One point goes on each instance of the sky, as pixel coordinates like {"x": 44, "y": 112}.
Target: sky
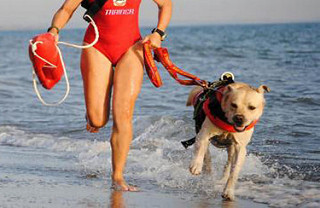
{"x": 37, "y": 14}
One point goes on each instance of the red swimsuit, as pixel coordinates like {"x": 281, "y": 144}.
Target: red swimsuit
{"x": 118, "y": 25}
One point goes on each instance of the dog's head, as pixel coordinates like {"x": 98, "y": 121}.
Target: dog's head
{"x": 243, "y": 104}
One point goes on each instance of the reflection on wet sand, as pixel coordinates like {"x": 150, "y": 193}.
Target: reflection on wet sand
{"x": 116, "y": 199}
{"x": 228, "y": 204}
{"x": 224, "y": 204}
{"x": 120, "y": 199}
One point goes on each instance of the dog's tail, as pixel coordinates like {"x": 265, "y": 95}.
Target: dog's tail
{"x": 193, "y": 93}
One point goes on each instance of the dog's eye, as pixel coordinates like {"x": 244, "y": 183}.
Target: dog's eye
{"x": 251, "y": 107}
{"x": 234, "y": 105}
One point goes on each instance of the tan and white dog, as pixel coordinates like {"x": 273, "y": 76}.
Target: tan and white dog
{"x": 241, "y": 105}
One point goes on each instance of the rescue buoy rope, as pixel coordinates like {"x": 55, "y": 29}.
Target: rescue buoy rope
{"x": 35, "y": 84}
{"x": 85, "y": 46}
{"x": 34, "y": 48}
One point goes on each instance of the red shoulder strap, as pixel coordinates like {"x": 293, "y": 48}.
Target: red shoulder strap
{"x": 216, "y": 120}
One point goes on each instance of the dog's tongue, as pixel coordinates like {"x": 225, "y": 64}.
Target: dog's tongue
{"x": 240, "y": 128}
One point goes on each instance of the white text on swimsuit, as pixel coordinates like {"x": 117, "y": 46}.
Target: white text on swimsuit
{"x": 120, "y": 12}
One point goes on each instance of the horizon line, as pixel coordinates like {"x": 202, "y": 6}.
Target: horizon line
{"x": 195, "y": 24}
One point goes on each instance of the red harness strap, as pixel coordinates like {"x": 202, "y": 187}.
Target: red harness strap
{"x": 162, "y": 56}
{"x": 224, "y": 125}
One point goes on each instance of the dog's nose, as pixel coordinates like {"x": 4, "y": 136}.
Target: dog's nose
{"x": 238, "y": 120}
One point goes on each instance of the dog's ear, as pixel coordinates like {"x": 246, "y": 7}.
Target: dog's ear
{"x": 262, "y": 89}
{"x": 229, "y": 88}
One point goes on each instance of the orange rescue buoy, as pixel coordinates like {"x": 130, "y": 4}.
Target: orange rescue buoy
{"x": 47, "y": 63}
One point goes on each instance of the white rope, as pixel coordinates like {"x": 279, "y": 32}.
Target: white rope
{"x": 34, "y": 48}
{"x": 35, "y": 85}
{"x": 85, "y": 46}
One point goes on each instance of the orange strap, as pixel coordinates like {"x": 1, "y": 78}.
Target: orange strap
{"x": 150, "y": 65}
{"x": 162, "y": 56}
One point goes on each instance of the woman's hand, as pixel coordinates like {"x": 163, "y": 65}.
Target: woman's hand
{"x": 154, "y": 38}
{"x": 55, "y": 35}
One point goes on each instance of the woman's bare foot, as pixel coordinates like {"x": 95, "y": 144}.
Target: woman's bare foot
{"x": 92, "y": 129}
{"x": 121, "y": 185}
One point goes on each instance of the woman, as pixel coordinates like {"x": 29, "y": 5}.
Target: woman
{"x": 119, "y": 47}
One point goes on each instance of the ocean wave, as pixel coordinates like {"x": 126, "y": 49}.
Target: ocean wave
{"x": 303, "y": 52}
{"x": 85, "y": 150}
{"x": 307, "y": 101}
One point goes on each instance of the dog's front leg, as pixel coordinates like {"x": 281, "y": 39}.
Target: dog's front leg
{"x": 230, "y": 161}
{"x": 207, "y": 166}
{"x": 237, "y": 162}
{"x": 201, "y": 147}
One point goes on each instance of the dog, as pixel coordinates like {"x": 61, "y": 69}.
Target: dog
{"x": 241, "y": 107}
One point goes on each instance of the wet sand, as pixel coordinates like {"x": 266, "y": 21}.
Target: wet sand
{"x": 40, "y": 178}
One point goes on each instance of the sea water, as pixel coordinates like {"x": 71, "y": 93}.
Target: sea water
{"x": 282, "y": 168}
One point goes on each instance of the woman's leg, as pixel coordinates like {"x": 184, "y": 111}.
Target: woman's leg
{"x": 127, "y": 83}
{"x": 97, "y": 75}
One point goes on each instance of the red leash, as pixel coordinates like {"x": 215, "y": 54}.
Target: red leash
{"x": 162, "y": 55}
{"x": 150, "y": 65}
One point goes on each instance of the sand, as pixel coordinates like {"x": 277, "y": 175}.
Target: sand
{"x": 39, "y": 178}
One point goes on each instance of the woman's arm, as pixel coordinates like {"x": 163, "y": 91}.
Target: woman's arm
{"x": 63, "y": 15}
{"x": 164, "y": 16}
{"x": 165, "y": 11}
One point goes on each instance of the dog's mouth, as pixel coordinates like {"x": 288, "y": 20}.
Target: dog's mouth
{"x": 239, "y": 128}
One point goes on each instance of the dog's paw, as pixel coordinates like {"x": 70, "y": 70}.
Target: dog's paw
{"x": 221, "y": 181}
{"x": 207, "y": 169}
{"x": 195, "y": 167}
{"x": 228, "y": 195}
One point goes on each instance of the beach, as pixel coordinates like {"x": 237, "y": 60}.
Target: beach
{"x": 48, "y": 159}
